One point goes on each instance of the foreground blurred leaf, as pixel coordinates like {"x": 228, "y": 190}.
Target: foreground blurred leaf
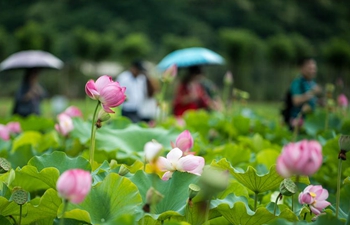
{"x": 108, "y": 201}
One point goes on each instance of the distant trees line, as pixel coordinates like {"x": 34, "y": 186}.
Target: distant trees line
{"x": 262, "y": 55}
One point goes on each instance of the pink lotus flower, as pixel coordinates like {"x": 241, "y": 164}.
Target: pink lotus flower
{"x": 74, "y": 185}
{"x": 315, "y": 197}
{"x": 184, "y": 142}
{"x": 14, "y": 127}
{"x": 73, "y": 111}
{"x": 152, "y": 150}
{"x": 105, "y": 90}
{"x": 301, "y": 158}
{"x": 343, "y": 101}
{"x": 65, "y": 124}
{"x": 174, "y": 161}
{"x": 4, "y": 133}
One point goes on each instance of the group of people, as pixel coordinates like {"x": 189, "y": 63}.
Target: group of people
{"x": 191, "y": 93}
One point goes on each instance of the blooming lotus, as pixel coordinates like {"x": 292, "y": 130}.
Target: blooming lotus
{"x": 184, "y": 142}
{"x": 4, "y": 133}
{"x": 176, "y": 161}
{"x": 73, "y": 185}
{"x": 314, "y": 196}
{"x": 73, "y": 111}
{"x": 107, "y": 91}
{"x": 14, "y": 127}
{"x": 65, "y": 124}
{"x": 343, "y": 101}
{"x": 300, "y": 158}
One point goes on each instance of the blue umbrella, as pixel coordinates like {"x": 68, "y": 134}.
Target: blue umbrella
{"x": 190, "y": 57}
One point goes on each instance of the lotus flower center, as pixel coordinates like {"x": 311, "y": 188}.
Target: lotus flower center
{"x": 312, "y": 194}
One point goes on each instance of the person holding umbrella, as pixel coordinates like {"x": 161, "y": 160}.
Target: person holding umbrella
{"x": 29, "y": 95}
{"x": 191, "y": 94}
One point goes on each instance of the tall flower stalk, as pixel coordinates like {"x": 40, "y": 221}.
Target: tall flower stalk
{"x": 93, "y": 134}
{"x": 109, "y": 94}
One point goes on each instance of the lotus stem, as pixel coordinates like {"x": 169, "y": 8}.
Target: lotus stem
{"x": 20, "y": 215}
{"x": 276, "y": 201}
{"x": 338, "y": 187}
{"x": 65, "y": 205}
{"x": 93, "y": 133}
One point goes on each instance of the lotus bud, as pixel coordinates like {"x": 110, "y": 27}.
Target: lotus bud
{"x": 19, "y": 196}
{"x": 193, "y": 189}
{"x": 123, "y": 170}
{"x": 153, "y": 196}
{"x": 344, "y": 145}
{"x": 102, "y": 117}
{"x": 288, "y": 187}
{"x": 170, "y": 74}
{"x": 4, "y": 165}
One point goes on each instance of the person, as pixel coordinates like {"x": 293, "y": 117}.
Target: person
{"x": 191, "y": 94}
{"x": 29, "y": 95}
{"x": 304, "y": 91}
{"x": 139, "y": 89}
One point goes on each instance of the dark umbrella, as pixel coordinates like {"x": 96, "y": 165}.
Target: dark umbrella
{"x": 31, "y": 59}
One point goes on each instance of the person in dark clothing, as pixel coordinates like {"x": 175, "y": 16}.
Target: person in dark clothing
{"x": 29, "y": 95}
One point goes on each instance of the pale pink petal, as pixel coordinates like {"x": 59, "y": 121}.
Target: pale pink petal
{"x": 4, "y": 133}
{"x": 102, "y": 82}
{"x": 184, "y": 141}
{"x": 164, "y": 164}
{"x": 112, "y": 95}
{"x": 282, "y": 168}
{"x": 73, "y": 111}
{"x": 107, "y": 109}
{"x": 305, "y": 198}
{"x": 14, "y": 127}
{"x": 321, "y": 204}
{"x": 167, "y": 175}
{"x": 191, "y": 164}
{"x": 90, "y": 89}
{"x": 174, "y": 155}
{"x": 314, "y": 210}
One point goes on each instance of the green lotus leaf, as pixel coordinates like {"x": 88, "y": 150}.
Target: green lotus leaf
{"x": 48, "y": 140}
{"x": 31, "y": 179}
{"x": 175, "y": 192}
{"x": 27, "y": 138}
{"x": 8, "y": 207}
{"x": 21, "y": 156}
{"x": 35, "y": 123}
{"x": 42, "y": 208}
{"x": 60, "y": 161}
{"x": 267, "y": 157}
{"x": 109, "y": 200}
{"x": 242, "y": 124}
{"x": 129, "y": 141}
{"x": 4, "y": 221}
{"x": 234, "y": 153}
{"x": 236, "y": 211}
{"x": 255, "y": 182}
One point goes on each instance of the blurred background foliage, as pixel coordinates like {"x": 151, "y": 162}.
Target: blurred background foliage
{"x": 260, "y": 40}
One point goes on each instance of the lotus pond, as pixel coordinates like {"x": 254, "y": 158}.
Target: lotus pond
{"x": 239, "y": 183}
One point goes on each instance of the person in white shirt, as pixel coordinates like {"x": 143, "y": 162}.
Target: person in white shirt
{"x": 138, "y": 89}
